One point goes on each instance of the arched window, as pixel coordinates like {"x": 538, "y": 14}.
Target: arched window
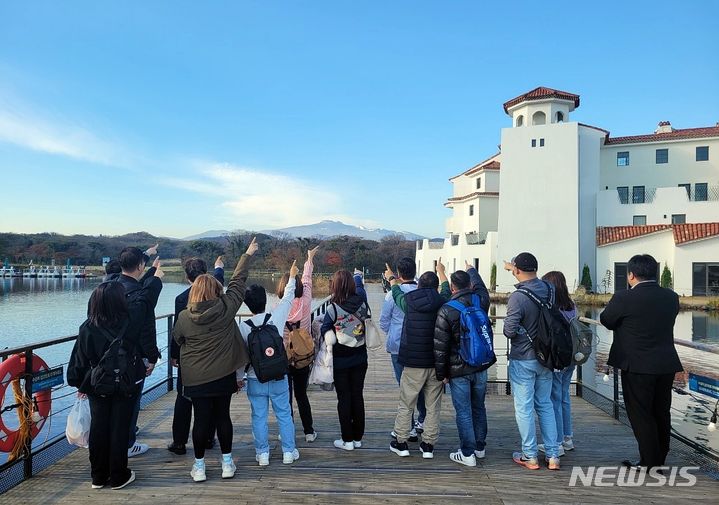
{"x": 539, "y": 118}
{"x": 520, "y": 120}
{"x": 560, "y": 117}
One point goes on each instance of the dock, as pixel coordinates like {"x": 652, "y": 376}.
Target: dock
{"x": 371, "y": 474}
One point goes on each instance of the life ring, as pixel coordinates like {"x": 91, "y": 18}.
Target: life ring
{"x": 11, "y": 369}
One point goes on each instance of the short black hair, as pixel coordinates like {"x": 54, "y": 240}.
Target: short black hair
{"x": 644, "y": 267}
{"x": 194, "y": 267}
{"x": 131, "y": 258}
{"x": 407, "y": 268}
{"x": 428, "y": 280}
{"x": 460, "y": 279}
{"x": 113, "y": 267}
{"x": 256, "y": 299}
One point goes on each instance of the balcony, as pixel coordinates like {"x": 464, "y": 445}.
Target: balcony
{"x": 640, "y": 194}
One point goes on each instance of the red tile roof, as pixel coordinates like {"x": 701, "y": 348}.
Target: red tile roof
{"x": 470, "y": 196}
{"x": 683, "y": 233}
{"x": 492, "y": 165}
{"x": 686, "y": 133}
{"x": 479, "y": 166}
{"x": 540, "y": 94}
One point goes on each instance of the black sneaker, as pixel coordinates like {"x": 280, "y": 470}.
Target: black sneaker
{"x": 399, "y": 449}
{"x": 210, "y": 444}
{"x": 176, "y": 448}
{"x": 427, "y": 450}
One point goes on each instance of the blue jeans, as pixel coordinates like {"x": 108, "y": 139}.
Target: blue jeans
{"x": 421, "y": 409}
{"x": 561, "y": 402}
{"x": 532, "y": 391}
{"x": 135, "y": 415}
{"x": 260, "y": 396}
{"x": 471, "y": 415}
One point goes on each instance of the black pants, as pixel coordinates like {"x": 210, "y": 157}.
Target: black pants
{"x": 298, "y": 380}
{"x": 182, "y": 416}
{"x": 109, "y": 435}
{"x": 648, "y": 399}
{"x": 214, "y": 410}
{"x": 349, "y": 384}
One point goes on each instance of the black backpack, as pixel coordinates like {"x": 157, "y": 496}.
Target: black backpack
{"x": 553, "y": 342}
{"x": 118, "y": 371}
{"x": 267, "y": 351}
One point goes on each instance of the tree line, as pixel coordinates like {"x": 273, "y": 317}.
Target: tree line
{"x": 276, "y": 252}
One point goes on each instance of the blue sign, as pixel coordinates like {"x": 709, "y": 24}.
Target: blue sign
{"x": 47, "y": 379}
{"x": 704, "y": 385}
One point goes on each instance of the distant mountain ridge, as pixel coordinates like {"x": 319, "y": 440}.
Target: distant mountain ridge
{"x": 323, "y": 229}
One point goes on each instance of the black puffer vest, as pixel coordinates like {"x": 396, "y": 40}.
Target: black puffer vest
{"x": 416, "y": 348}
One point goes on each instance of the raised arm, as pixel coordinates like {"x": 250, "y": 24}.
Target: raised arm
{"x": 306, "y": 317}
{"x": 235, "y": 294}
{"x": 359, "y": 285}
{"x": 280, "y": 313}
{"x": 444, "y": 291}
{"x": 478, "y": 287}
{"x": 219, "y": 272}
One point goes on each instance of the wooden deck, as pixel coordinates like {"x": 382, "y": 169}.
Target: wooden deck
{"x": 324, "y": 474}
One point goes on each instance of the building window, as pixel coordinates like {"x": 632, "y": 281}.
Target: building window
{"x": 476, "y": 264}
{"x": 534, "y": 142}
{"x": 541, "y": 142}
{"x": 638, "y": 194}
{"x": 623, "y": 159}
{"x": 539, "y": 118}
{"x": 662, "y": 156}
{"x": 703, "y": 153}
{"x": 560, "y": 117}
{"x": 705, "y": 279}
{"x": 701, "y": 192}
{"x": 479, "y": 183}
{"x": 621, "y": 281}
{"x": 520, "y": 120}
{"x": 639, "y": 220}
{"x": 471, "y": 210}
{"x": 679, "y": 218}
{"x": 688, "y": 187}
{"x": 623, "y": 192}
{"x": 455, "y": 239}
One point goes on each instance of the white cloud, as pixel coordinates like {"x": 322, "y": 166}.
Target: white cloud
{"x": 262, "y": 199}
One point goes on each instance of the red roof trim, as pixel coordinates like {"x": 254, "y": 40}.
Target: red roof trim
{"x": 474, "y": 167}
{"x": 686, "y": 133}
{"x": 542, "y": 93}
{"x": 682, "y": 233}
{"x": 457, "y": 199}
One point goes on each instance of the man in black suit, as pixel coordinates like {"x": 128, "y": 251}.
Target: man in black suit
{"x": 642, "y": 319}
{"x": 194, "y": 267}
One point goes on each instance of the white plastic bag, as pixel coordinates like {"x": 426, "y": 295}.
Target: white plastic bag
{"x": 322, "y": 370}
{"x": 373, "y": 335}
{"x": 78, "y": 423}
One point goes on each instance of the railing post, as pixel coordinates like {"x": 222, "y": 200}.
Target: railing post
{"x": 170, "y": 382}
{"x": 579, "y": 391}
{"x": 508, "y": 384}
{"x": 616, "y": 393}
{"x": 27, "y": 449}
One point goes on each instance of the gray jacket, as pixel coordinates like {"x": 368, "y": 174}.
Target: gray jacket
{"x": 522, "y": 318}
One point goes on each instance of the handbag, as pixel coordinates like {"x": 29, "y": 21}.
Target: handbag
{"x": 322, "y": 371}
{"x": 373, "y": 335}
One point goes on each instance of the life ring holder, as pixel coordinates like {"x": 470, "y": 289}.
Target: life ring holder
{"x": 11, "y": 370}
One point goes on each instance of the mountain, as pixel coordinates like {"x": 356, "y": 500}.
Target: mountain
{"x": 326, "y": 229}
{"x": 208, "y": 234}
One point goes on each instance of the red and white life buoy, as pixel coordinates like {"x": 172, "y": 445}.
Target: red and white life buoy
{"x": 11, "y": 369}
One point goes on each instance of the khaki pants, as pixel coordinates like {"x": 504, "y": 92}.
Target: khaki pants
{"x": 413, "y": 381}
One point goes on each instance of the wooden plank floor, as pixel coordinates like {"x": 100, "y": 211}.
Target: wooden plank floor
{"x": 324, "y": 474}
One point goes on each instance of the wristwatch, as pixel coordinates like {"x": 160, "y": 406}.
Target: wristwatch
{"x": 391, "y": 278}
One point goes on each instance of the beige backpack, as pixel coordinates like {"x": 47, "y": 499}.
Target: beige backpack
{"x": 300, "y": 346}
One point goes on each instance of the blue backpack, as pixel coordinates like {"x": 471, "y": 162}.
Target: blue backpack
{"x": 476, "y": 347}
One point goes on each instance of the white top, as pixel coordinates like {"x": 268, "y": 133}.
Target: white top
{"x": 278, "y": 317}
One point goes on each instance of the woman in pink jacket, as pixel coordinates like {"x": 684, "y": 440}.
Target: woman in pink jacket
{"x": 300, "y": 319}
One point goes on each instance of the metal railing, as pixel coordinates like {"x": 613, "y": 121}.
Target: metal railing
{"x": 24, "y": 467}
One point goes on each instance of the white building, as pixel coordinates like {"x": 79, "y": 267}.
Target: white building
{"x": 576, "y": 196}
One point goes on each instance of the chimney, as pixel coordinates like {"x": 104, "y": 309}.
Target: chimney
{"x": 664, "y": 127}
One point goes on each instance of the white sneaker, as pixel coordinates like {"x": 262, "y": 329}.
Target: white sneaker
{"x": 127, "y": 482}
{"x": 228, "y": 469}
{"x": 357, "y": 444}
{"x": 541, "y": 448}
{"x": 479, "y": 454}
{"x": 198, "y": 473}
{"x": 568, "y": 444}
{"x": 458, "y": 457}
{"x": 311, "y": 437}
{"x": 418, "y": 427}
{"x": 263, "y": 459}
{"x": 347, "y": 446}
{"x": 137, "y": 449}
{"x": 290, "y": 457}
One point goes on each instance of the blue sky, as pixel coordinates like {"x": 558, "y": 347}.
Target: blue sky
{"x": 179, "y": 117}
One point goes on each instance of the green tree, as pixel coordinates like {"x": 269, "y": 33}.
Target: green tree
{"x": 587, "y": 278}
{"x": 666, "y": 280}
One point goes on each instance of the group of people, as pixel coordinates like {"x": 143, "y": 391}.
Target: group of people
{"x": 425, "y": 323}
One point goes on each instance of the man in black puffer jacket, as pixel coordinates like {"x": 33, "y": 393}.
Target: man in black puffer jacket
{"x": 468, "y": 384}
{"x": 416, "y": 355}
